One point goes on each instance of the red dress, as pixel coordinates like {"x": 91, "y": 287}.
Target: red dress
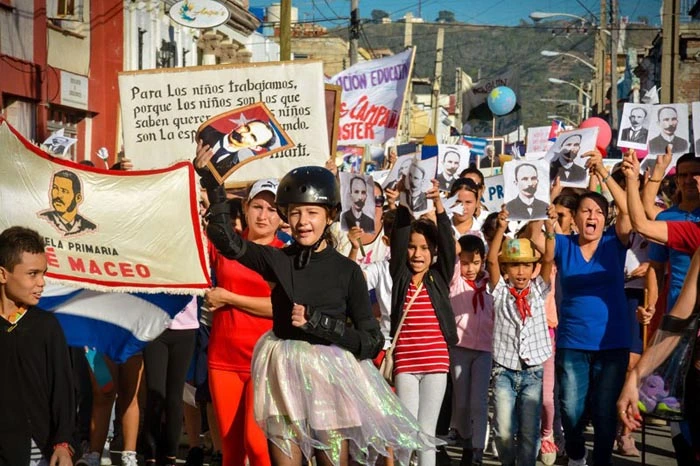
{"x": 234, "y": 332}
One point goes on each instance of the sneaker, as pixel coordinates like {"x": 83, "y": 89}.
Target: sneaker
{"x": 548, "y": 451}
{"x": 129, "y": 458}
{"x": 89, "y": 459}
{"x": 195, "y": 457}
{"x": 626, "y": 446}
{"x": 581, "y": 462}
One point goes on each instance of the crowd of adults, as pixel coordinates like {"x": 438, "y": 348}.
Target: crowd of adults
{"x": 542, "y": 320}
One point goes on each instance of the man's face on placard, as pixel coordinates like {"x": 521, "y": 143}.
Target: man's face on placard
{"x": 415, "y": 180}
{"x": 526, "y": 180}
{"x": 358, "y": 193}
{"x": 570, "y": 147}
{"x": 668, "y": 121}
{"x": 637, "y": 116}
{"x": 451, "y": 163}
{"x": 403, "y": 169}
{"x": 252, "y": 135}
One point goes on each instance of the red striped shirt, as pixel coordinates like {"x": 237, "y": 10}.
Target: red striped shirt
{"x": 421, "y": 347}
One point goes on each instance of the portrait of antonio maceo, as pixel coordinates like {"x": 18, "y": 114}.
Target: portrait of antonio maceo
{"x": 65, "y": 197}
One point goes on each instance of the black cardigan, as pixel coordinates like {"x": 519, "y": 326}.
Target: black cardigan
{"x": 437, "y": 278}
{"x": 36, "y": 387}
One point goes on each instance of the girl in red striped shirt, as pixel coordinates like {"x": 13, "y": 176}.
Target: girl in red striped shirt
{"x": 422, "y": 263}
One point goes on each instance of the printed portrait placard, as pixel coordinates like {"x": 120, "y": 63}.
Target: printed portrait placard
{"x": 357, "y": 201}
{"x": 242, "y": 136}
{"x": 565, "y": 156}
{"x": 526, "y": 189}
{"x": 669, "y": 126}
{"x": 634, "y": 126}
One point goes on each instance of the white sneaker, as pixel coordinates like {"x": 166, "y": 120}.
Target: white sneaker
{"x": 89, "y": 459}
{"x": 581, "y": 462}
{"x": 129, "y": 458}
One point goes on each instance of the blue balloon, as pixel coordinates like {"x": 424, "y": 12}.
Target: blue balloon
{"x": 501, "y": 100}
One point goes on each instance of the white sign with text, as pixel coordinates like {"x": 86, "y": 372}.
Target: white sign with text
{"x": 162, "y": 109}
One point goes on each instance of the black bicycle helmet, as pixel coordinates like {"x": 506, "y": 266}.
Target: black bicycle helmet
{"x": 307, "y": 185}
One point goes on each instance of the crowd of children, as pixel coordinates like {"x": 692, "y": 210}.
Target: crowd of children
{"x": 536, "y": 319}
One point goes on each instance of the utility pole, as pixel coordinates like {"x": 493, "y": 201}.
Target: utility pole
{"x": 354, "y": 29}
{"x": 405, "y": 131}
{"x": 408, "y": 33}
{"x": 600, "y": 59}
{"x": 579, "y": 101}
{"x": 589, "y": 89}
{"x": 437, "y": 79}
{"x": 286, "y": 30}
{"x": 615, "y": 29}
{"x": 669, "y": 49}
{"x": 458, "y": 96}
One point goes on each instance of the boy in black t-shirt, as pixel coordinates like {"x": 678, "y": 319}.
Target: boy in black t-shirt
{"x": 36, "y": 392}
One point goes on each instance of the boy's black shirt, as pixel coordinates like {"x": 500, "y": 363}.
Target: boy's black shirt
{"x": 36, "y": 387}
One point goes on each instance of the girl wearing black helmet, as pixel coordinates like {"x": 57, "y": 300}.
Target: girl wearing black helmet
{"x": 316, "y": 389}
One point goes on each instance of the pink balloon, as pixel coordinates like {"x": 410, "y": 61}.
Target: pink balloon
{"x": 604, "y": 131}
{"x": 641, "y": 153}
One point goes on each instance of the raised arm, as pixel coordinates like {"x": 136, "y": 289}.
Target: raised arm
{"x": 651, "y": 187}
{"x": 446, "y": 239}
{"x": 400, "y": 235}
{"x": 492, "y": 265}
{"x": 550, "y": 244}
{"x": 219, "y": 229}
{"x": 653, "y": 230}
{"x": 623, "y": 225}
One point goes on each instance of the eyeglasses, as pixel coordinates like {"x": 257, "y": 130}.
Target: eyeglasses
{"x": 379, "y": 201}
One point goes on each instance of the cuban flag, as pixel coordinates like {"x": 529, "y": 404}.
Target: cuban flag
{"x": 556, "y": 128}
{"x": 116, "y": 324}
{"x": 477, "y": 146}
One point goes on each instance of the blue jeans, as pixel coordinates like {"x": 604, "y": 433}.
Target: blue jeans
{"x": 518, "y": 401}
{"x": 589, "y": 385}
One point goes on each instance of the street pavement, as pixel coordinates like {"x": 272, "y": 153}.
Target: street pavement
{"x": 659, "y": 450}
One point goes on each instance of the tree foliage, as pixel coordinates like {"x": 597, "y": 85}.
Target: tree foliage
{"x": 378, "y": 15}
{"x": 446, "y": 16}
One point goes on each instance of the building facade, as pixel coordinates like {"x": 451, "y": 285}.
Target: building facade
{"x": 60, "y": 61}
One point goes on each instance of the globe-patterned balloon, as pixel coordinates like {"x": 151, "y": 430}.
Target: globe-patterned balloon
{"x": 501, "y": 100}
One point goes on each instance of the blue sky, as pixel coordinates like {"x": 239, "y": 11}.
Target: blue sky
{"x": 500, "y": 12}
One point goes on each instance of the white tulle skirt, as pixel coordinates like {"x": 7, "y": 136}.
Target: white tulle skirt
{"x": 317, "y": 396}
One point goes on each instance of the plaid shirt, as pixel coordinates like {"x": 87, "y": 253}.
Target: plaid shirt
{"x": 518, "y": 344}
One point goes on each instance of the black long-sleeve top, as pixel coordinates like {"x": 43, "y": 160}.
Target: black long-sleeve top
{"x": 36, "y": 387}
{"x": 436, "y": 280}
{"x": 330, "y": 283}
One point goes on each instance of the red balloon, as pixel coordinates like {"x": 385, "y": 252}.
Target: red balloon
{"x": 602, "y": 151}
{"x": 604, "y": 131}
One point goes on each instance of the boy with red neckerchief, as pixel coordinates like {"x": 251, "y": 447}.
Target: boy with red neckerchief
{"x": 521, "y": 342}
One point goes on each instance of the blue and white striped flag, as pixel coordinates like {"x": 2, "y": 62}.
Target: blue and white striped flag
{"x": 116, "y": 324}
{"x": 477, "y": 146}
